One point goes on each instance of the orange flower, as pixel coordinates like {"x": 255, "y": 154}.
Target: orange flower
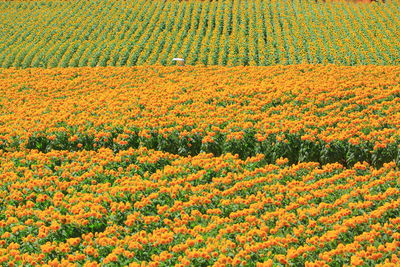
{"x": 356, "y": 261}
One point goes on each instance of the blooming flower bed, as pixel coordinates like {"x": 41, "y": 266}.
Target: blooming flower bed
{"x": 198, "y": 166}
{"x": 316, "y": 113}
{"x": 141, "y": 206}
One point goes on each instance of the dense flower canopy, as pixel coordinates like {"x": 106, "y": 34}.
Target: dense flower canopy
{"x": 303, "y": 112}
{"x": 148, "y": 207}
{"x": 274, "y": 140}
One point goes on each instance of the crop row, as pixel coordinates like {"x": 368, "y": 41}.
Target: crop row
{"x": 149, "y": 207}
{"x": 226, "y": 32}
{"x": 303, "y": 113}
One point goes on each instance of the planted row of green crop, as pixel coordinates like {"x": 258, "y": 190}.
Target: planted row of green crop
{"x": 291, "y": 147}
{"x": 228, "y": 32}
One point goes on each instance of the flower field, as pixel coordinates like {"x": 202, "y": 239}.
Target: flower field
{"x": 225, "y": 32}
{"x": 277, "y": 143}
{"x": 155, "y": 208}
{"x": 197, "y": 166}
{"x": 314, "y": 113}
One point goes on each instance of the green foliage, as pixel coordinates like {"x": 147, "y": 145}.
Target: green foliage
{"x": 226, "y": 32}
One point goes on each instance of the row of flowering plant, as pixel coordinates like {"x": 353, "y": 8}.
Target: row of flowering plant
{"x": 225, "y": 32}
{"x": 146, "y": 207}
{"x": 304, "y": 113}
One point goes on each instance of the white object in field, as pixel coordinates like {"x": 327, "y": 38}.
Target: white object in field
{"x": 180, "y": 61}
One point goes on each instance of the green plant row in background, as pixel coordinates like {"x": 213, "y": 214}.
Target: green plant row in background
{"x": 226, "y": 32}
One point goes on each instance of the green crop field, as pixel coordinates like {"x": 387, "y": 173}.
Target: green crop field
{"x": 128, "y": 33}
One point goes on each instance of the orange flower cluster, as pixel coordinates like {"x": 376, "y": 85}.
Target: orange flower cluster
{"x": 303, "y": 112}
{"x": 142, "y": 207}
